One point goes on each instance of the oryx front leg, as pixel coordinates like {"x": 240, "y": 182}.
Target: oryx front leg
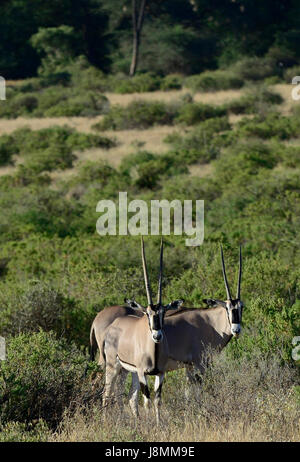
{"x": 145, "y": 391}
{"x": 134, "y": 394}
{"x": 157, "y": 398}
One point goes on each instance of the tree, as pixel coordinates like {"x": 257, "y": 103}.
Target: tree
{"x": 137, "y": 24}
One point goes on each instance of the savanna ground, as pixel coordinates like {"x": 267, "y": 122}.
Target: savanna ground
{"x": 239, "y": 150}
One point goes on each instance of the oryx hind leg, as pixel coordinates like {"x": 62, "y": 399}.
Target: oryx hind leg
{"x": 112, "y": 371}
{"x": 134, "y": 394}
{"x": 119, "y": 386}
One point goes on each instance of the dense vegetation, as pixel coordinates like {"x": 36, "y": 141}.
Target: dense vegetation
{"x": 240, "y": 154}
{"x": 178, "y": 35}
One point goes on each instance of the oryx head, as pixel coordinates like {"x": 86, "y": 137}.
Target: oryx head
{"x": 154, "y": 312}
{"x": 233, "y": 306}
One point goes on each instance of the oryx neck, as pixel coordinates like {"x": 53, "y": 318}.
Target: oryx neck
{"x": 218, "y": 319}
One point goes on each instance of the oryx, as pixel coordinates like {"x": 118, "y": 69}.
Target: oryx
{"x": 138, "y": 345}
{"x": 201, "y": 330}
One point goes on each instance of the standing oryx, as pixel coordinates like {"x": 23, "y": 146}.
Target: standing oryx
{"x": 200, "y": 330}
{"x": 138, "y": 344}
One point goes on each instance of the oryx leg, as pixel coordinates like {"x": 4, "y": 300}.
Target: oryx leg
{"x": 119, "y": 386}
{"x": 134, "y": 394}
{"x": 145, "y": 391}
{"x": 157, "y": 398}
{"x": 194, "y": 374}
{"x": 111, "y": 373}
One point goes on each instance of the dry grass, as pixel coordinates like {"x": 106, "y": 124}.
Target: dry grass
{"x": 238, "y": 401}
{"x": 82, "y": 124}
{"x": 216, "y": 98}
{"x": 150, "y": 139}
{"x": 201, "y": 170}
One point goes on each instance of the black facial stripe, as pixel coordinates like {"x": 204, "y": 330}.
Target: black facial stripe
{"x": 235, "y": 316}
{"x": 156, "y": 322}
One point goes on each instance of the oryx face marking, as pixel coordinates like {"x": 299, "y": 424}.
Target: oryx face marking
{"x": 155, "y": 316}
{"x": 234, "y": 311}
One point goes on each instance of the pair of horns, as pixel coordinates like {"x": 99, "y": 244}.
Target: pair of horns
{"x": 238, "y": 292}
{"x": 146, "y": 277}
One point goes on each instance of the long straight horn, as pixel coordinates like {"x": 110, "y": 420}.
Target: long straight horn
{"x": 159, "y": 292}
{"x": 238, "y": 292}
{"x": 146, "y": 277}
{"x": 224, "y": 275}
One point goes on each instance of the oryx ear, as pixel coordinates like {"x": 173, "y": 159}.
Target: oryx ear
{"x": 209, "y": 301}
{"x": 134, "y": 305}
{"x": 174, "y": 305}
{"x": 213, "y": 303}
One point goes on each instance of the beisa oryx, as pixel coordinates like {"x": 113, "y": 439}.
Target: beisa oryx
{"x": 193, "y": 332}
{"x": 139, "y": 345}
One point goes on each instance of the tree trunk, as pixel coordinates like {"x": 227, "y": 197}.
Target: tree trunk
{"x": 137, "y": 20}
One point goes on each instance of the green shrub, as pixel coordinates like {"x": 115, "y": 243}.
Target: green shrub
{"x": 14, "y": 432}
{"x": 24, "y": 176}
{"x": 201, "y": 144}
{"x": 87, "y": 104}
{"x": 244, "y": 159}
{"x": 254, "y": 68}
{"x": 49, "y": 148}
{"x": 146, "y": 169}
{"x": 51, "y": 158}
{"x": 139, "y": 83}
{"x": 171, "y": 82}
{"x": 138, "y": 114}
{"x": 273, "y": 125}
{"x": 213, "y": 81}
{"x": 7, "y": 149}
{"x": 255, "y": 100}
{"x": 40, "y": 378}
{"x": 53, "y": 96}
{"x": 193, "y": 113}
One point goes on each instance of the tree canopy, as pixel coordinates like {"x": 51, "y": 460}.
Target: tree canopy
{"x": 185, "y": 36}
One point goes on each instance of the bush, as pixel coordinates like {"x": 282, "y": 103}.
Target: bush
{"x": 7, "y": 149}
{"x": 273, "y": 125}
{"x": 193, "y": 113}
{"x": 49, "y": 148}
{"x": 139, "y": 83}
{"x": 14, "y": 432}
{"x": 244, "y": 159}
{"x": 146, "y": 169}
{"x": 40, "y": 378}
{"x": 201, "y": 144}
{"x": 138, "y": 114}
{"x": 213, "y": 81}
{"x": 254, "y": 68}
{"x": 256, "y": 100}
{"x": 85, "y": 105}
{"x": 172, "y": 82}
